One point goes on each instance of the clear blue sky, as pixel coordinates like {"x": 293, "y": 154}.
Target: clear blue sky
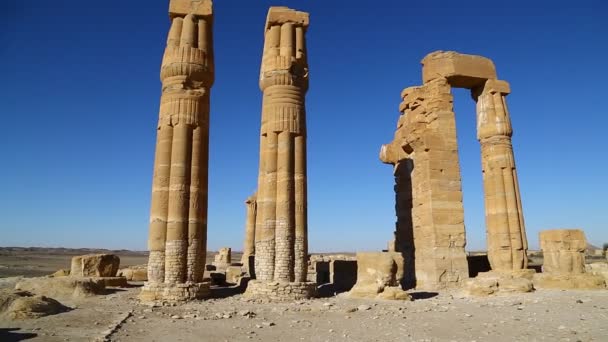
{"x": 80, "y": 94}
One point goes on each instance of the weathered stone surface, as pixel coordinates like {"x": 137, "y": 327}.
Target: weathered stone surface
{"x": 95, "y": 265}
{"x": 223, "y": 258}
{"x": 114, "y": 281}
{"x": 62, "y": 286}
{"x": 461, "y": 70}
{"x": 377, "y": 271}
{"x": 598, "y": 269}
{"x": 279, "y": 291}
{"x": 249, "y": 245}
{"x": 564, "y": 261}
{"x": 203, "y": 8}
{"x": 61, "y": 273}
{"x": 178, "y": 215}
{"x": 580, "y": 281}
{"x": 430, "y": 217}
{"x": 134, "y": 273}
{"x": 494, "y": 282}
{"x": 281, "y": 243}
{"x": 152, "y": 292}
{"x": 25, "y": 305}
{"x": 233, "y": 274}
{"x": 563, "y": 251}
{"x": 424, "y": 154}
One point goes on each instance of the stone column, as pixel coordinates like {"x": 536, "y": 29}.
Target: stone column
{"x": 280, "y": 231}
{"x": 249, "y": 246}
{"x": 507, "y": 242}
{"x": 178, "y": 218}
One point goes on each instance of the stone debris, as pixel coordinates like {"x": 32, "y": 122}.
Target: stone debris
{"x": 379, "y": 275}
{"x": 134, "y": 273}
{"x": 95, "y": 265}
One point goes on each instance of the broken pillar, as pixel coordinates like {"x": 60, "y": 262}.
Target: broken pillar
{"x": 564, "y": 261}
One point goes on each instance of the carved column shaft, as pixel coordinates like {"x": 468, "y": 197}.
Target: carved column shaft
{"x": 249, "y": 246}
{"x": 178, "y": 218}
{"x": 507, "y": 242}
{"x": 280, "y": 238}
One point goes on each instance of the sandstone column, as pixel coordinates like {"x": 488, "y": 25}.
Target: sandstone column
{"x": 178, "y": 218}
{"x": 249, "y": 246}
{"x": 507, "y": 242}
{"x": 280, "y": 229}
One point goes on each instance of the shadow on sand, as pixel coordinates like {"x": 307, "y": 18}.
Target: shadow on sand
{"x": 11, "y": 334}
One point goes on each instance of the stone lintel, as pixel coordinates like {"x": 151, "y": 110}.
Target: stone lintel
{"x": 203, "y": 8}
{"x": 279, "y": 15}
{"x": 497, "y": 86}
{"x": 461, "y": 70}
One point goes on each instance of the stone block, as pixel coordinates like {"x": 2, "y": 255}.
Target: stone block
{"x": 234, "y": 274}
{"x": 563, "y": 251}
{"x": 197, "y": 7}
{"x": 461, "y": 70}
{"x": 377, "y": 271}
{"x": 569, "y": 281}
{"x": 95, "y": 265}
{"x": 134, "y": 273}
{"x": 279, "y": 15}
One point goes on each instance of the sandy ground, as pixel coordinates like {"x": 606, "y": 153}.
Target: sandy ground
{"x": 539, "y": 316}
{"x": 36, "y": 262}
{"x": 118, "y": 316}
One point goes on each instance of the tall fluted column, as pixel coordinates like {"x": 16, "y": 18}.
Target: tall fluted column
{"x": 249, "y": 245}
{"x": 178, "y": 218}
{"x": 280, "y": 232}
{"x": 507, "y": 242}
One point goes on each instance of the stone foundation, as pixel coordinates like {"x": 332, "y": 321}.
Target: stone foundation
{"x": 174, "y": 292}
{"x": 278, "y": 291}
{"x": 113, "y": 281}
{"x": 583, "y": 281}
{"x": 499, "y": 282}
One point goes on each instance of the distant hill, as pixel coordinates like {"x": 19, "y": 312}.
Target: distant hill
{"x": 67, "y": 251}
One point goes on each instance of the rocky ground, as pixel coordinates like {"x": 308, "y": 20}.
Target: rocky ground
{"x": 118, "y": 316}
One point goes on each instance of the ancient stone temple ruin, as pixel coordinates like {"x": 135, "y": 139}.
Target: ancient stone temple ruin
{"x": 424, "y": 153}
{"x": 281, "y": 221}
{"x": 564, "y": 261}
{"x": 178, "y": 218}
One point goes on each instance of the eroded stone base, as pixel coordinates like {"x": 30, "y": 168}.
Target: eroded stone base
{"x": 494, "y": 282}
{"x": 582, "y": 281}
{"x": 114, "y": 281}
{"x": 375, "y": 292}
{"x": 278, "y": 291}
{"x": 152, "y": 292}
